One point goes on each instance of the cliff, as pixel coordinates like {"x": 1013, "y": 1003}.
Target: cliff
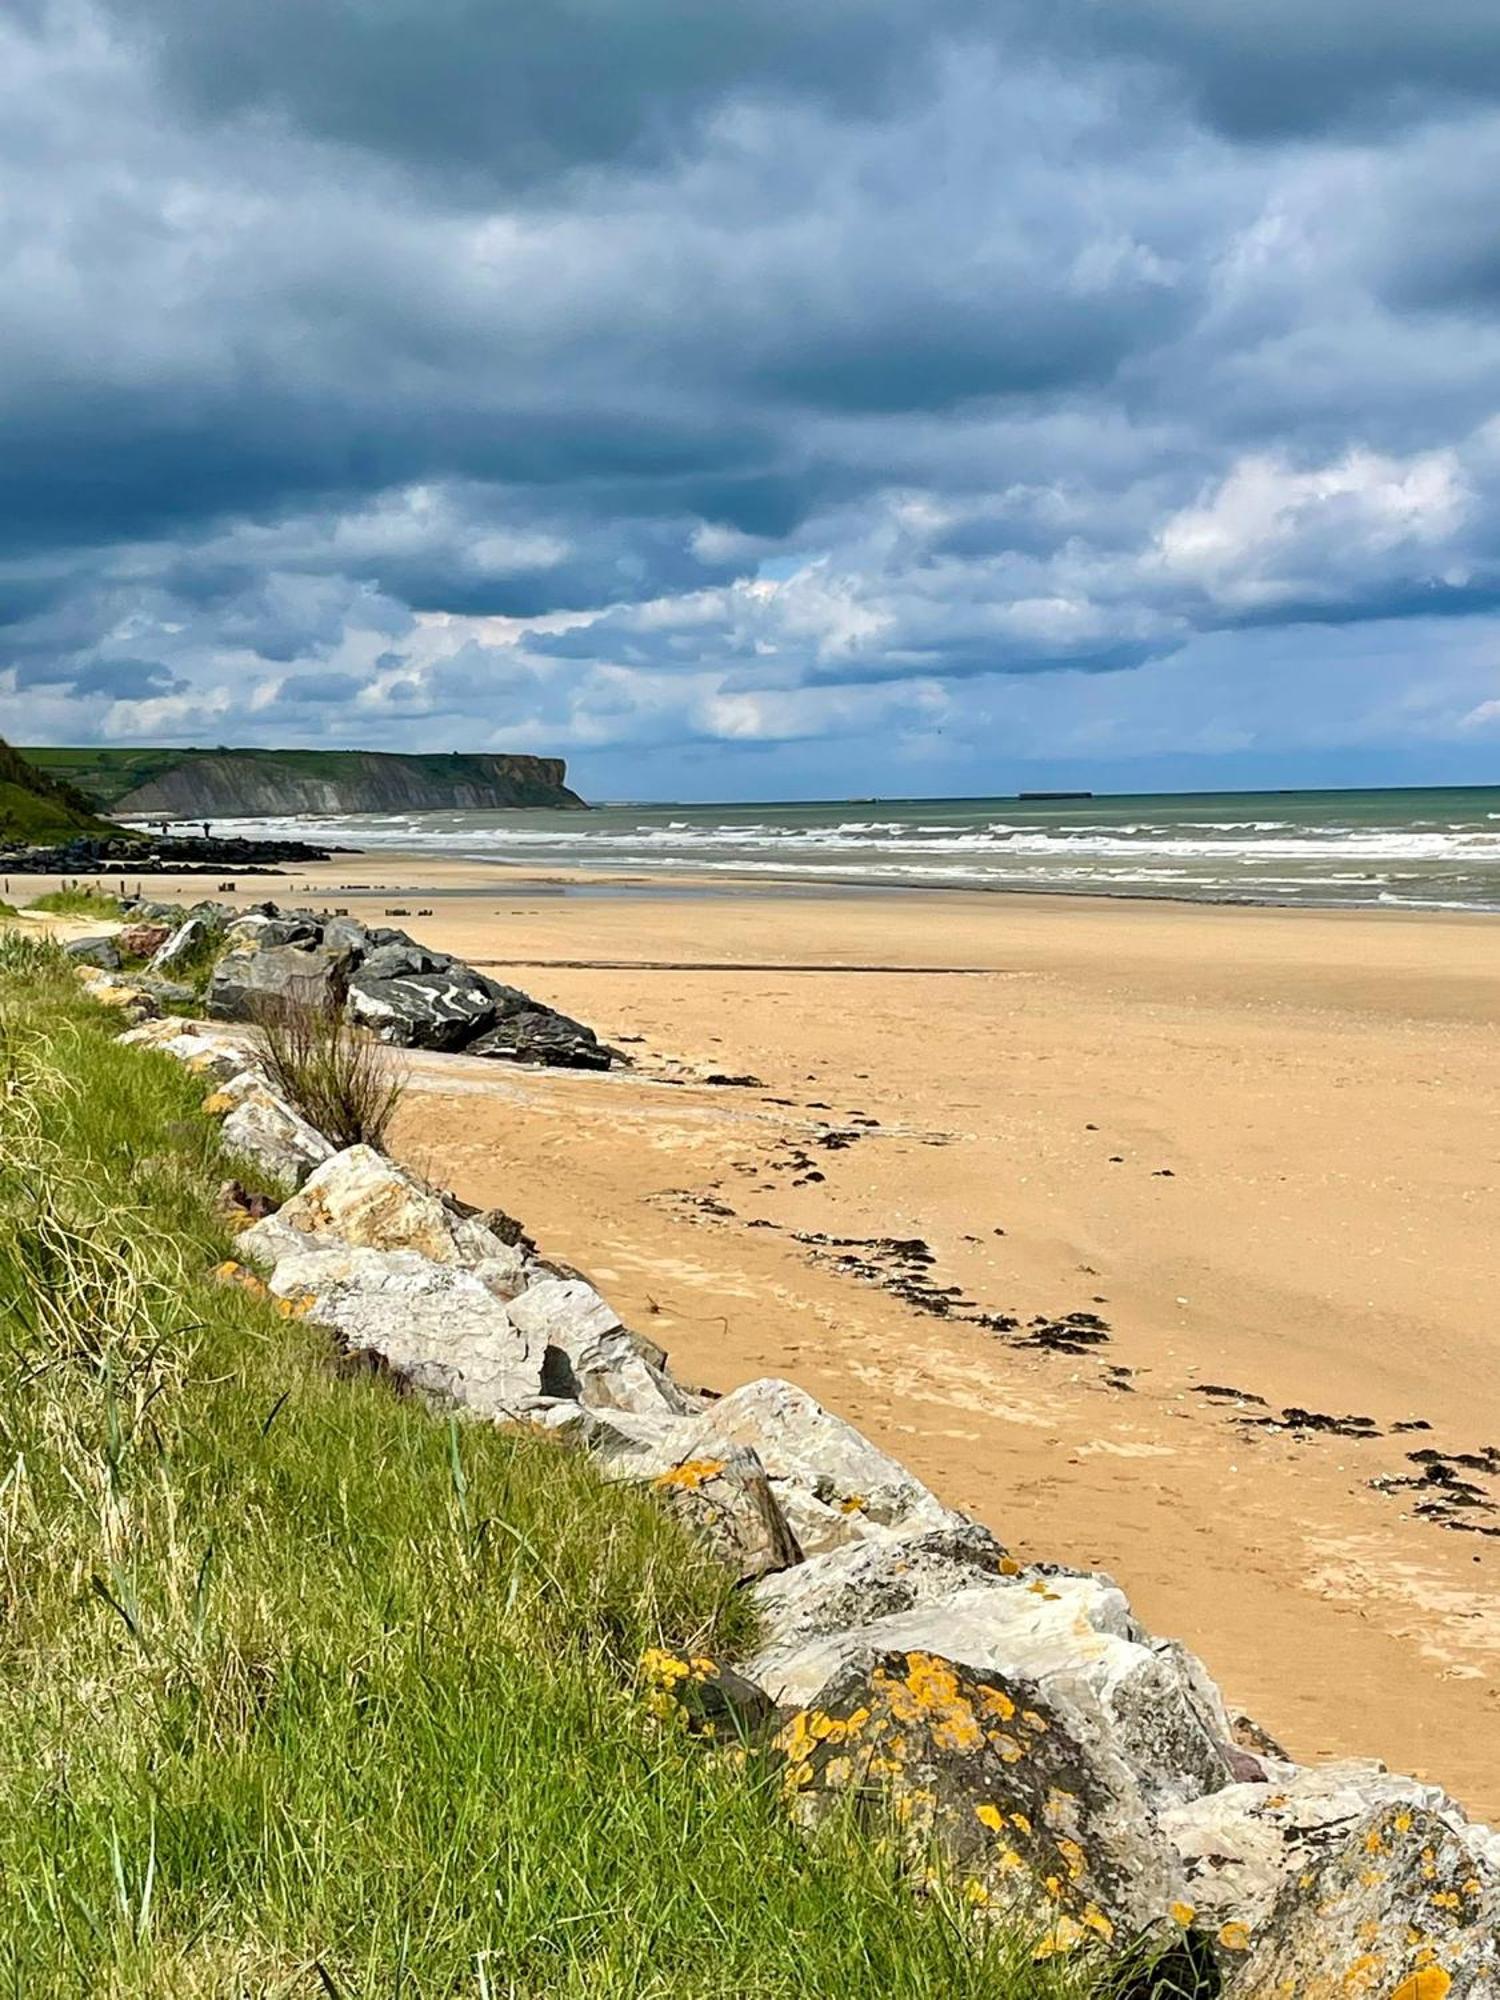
{"x": 234, "y": 784}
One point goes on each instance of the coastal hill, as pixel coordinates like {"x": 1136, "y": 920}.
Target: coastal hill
{"x": 38, "y": 806}
{"x": 231, "y": 784}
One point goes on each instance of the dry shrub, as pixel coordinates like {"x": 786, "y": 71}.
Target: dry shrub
{"x": 340, "y": 1078}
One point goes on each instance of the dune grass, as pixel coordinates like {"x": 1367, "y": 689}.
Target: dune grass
{"x": 306, "y": 1692}
{"x": 77, "y": 900}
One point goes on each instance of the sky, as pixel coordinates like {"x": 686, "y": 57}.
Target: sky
{"x": 793, "y": 399}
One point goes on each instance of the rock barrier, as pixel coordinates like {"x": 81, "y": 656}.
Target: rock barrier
{"x": 1076, "y": 1773}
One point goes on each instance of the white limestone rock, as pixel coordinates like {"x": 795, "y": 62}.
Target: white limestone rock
{"x": 591, "y": 1356}
{"x": 263, "y": 1128}
{"x": 362, "y": 1199}
{"x": 833, "y": 1485}
{"x": 437, "y": 1326}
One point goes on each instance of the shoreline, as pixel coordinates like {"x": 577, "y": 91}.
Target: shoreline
{"x": 1256, "y": 1143}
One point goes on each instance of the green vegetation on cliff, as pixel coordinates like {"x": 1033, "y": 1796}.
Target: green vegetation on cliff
{"x": 224, "y": 783}
{"x": 305, "y": 1692}
{"x": 38, "y": 806}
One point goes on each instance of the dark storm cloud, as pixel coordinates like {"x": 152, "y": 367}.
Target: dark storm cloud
{"x": 613, "y": 375}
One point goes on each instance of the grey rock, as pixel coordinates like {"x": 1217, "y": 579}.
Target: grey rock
{"x": 436, "y": 1326}
{"x": 1406, "y": 1907}
{"x": 167, "y": 992}
{"x": 590, "y": 1355}
{"x": 1029, "y": 1800}
{"x": 728, "y": 1501}
{"x": 250, "y": 979}
{"x": 263, "y": 1128}
{"x": 260, "y": 932}
{"x": 864, "y": 1581}
{"x": 439, "y": 1009}
{"x": 1240, "y": 1845}
{"x": 834, "y": 1486}
{"x": 346, "y": 934}
{"x": 100, "y": 951}
{"x": 400, "y": 956}
{"x": 1073, "y": 1636}
{"x": 535, "y": 1034}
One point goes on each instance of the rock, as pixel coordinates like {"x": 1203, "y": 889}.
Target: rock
{"x": 436, "y": 1326}
{"x": 1031, "y": 1804}
{"x": 259, "y": 932}
{"x": 189, "y": 937}
{"x": 729, "y": 1502}
{"x": 363, "y": 1200}
{"x": 1072, "y": 1636}
{"x": 143, "y": 940}
{"x": 251, "y": 978}
{"x": 1405, "y": 1907}
{"x": 590, "y": 1355}
{"x": 865, "y": 1581}
{"x": 98, "y": 951}
{"x": 398, "y": 957}
{"x": 114, "y": 990}
{"x": 442, "y": 1008}
{"x": 1242, "y": 1845}
{"x": 167, "y": 992}
{"x": 535, "y": 1034}
{"x": 263, "y": 1128}
{"x": 344, "y": 934}
{"x": 703, "y": 1695}
{"x": 195, "y": 1046}
{"x": 833, "y": 1485}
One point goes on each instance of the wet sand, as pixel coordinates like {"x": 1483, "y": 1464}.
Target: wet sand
{"x": 1260, "y": 1147}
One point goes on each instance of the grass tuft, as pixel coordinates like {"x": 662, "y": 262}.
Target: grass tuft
{"x": 343, "y": 1081}
{"x": 75, "y": 900}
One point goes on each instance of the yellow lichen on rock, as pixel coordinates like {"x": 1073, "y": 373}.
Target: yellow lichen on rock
{"x": 1431, "y": 1983}
{"x": 692, "y": 1474}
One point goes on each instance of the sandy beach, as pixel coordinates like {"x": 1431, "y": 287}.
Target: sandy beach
{"x": 1259, "y": 1149}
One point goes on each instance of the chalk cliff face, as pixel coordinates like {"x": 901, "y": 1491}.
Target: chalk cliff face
{"x": 234, "y": 784}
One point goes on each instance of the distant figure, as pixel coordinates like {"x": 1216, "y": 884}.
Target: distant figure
{"x": 205, "y": 829}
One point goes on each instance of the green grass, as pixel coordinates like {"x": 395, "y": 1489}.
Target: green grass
{"x": 77, "y": 901}
{"x": 304, "y": 1691}
{"x": 39, "y": 806}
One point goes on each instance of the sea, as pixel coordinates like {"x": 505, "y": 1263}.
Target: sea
{"x": 1399, "y": 849}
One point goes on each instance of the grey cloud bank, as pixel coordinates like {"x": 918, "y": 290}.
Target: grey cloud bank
{"x": 891, "y": 398}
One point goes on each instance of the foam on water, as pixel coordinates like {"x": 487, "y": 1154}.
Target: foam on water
{"x": 1407, "y": 849}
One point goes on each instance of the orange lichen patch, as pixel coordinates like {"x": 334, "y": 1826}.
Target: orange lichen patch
{"x": 1072, "y": 1856}
{"x": 1065, "y": 1935}
{"x": 855, "y": 1504}
{"x": 975, "y": 1892}
{"x": 231, "y": 1273}
{"x": 1375, "y": 1840}
{"x": 928, "y": 1693}
{"x": 690, "y": 1475}
{"x": 1432, "y": 1983}
{"x": 994, "y": 1701}
{"x": 1020, "y": 1822}
{"x": 1235, "y": 1937}
{"x": 217, "y": 1103}
{"x": 990, "y": 1816}
{"x": 1039, "y": 1589}
{"x": 295, "y": 1308}
{"x": 1183, "y": 1914}
{"x": 1096, "y": 1921}
{"x": 1402, "y": 1822}
{"x": 1034, "y": 1722}
{"x": 1447, "y": 1899}
{"x": 1009, "y": 1566}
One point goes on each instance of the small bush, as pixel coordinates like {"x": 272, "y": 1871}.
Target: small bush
{"x": 341, "y": 1080}
{"x": 77, "y": 901}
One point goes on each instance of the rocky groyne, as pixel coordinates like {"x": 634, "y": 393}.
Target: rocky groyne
{"x": 1012, "y": 1721}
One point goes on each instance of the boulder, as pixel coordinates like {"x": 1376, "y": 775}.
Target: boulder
{"x": 167, "y": 992}
{"x": 533, "y": 1034}
{"x": 728, "y": 1502}
{"x": 1072, "y": 1636}
{"x": 193, "y": 1045}
{"x": 143, "y": 940}
{"x": 591, "y": 1357}
{"x": 259, "y": 932}
{"x": 833, "y": 1485}
{"x": 865, "y": 1581}
{"x": 97, "y": 951}
{"x": 703, "y": 1695}
{"x": 363, "y": 1200}
{"x": 190, "y": 936}
{"x": 1406, "y": 1907}
{"x": 345, "y": 934}
{"x": 1030, "y": 1804}
{"x": 262, "y": 1127}
{"x": 436, "y": 1326}
{"x": 252, "y": 978}
{"x": 398, "y": 957}
{"x": 112, "y": 989}
{"x": 440, "y": 1008}
{"x": 1240, "y": 1846}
